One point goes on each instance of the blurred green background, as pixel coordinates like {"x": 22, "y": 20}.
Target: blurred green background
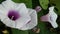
{"x": 45, "y": 27}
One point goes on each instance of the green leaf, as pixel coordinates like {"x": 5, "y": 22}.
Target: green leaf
{"x": 15, "y": 31}
{"x": 44, "y": 3}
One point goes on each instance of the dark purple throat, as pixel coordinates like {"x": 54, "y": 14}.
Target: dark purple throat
{"x": 13, "y": 15}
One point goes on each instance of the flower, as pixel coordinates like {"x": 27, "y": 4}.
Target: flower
{"x": 38, "y": 8}
{"x": 17, "y": 15}
{"x": 51, "y": 17}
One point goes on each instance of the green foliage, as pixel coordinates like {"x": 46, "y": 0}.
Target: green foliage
{"x": 15, "y": 31}
{"x": 44, "y": 3}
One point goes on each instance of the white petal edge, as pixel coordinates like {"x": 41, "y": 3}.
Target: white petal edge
{"x": 8, "y": 5}
{"x": 54, "y": 24}
{"x": 7, "y": 21}
{"x": 22, "y": 9}
{"x": 33, "y": 22}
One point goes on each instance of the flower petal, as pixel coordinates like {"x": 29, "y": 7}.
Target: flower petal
{"x": 22, "y": 21}
{"x": 2, "y": 10}
{"x": 8, "y": 4}
{"x": 8, "y": 22}
{"x": 22, "y": 9}
{"x": 54, "y": 24}
{"x": 45, "y": 18}
{"x": 33, "y": 21}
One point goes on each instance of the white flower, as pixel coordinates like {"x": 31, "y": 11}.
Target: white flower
{"x": 17, "y": 16}
{"x": 50, "y": 17}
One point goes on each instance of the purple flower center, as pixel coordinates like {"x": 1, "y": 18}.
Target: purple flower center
{"x": 13, "y": 15}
